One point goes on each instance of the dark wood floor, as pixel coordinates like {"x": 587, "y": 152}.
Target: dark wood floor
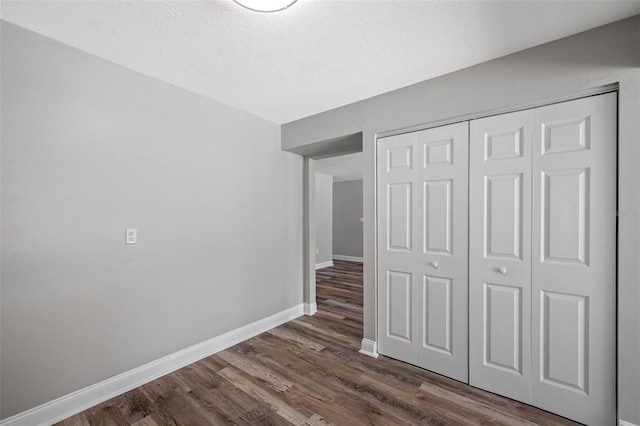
{"x": 309, "y": 371}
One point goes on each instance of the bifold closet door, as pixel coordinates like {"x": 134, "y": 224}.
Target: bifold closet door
{"x": 574, "y": 259}
{"x": 500, "y": 254}
{"x": 543, "y": 256}
{"x": 423, "y": 249}
{"x": 397, "y": 246}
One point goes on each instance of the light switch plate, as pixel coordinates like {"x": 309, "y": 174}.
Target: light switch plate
{"x": 131, "y": 236}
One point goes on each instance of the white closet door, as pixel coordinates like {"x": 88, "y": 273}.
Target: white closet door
{"x": 443, "y": 259}
{"x": 574, "y": 259}
{"x": 398, "y": 246}
{"x": 422, "y": 248}
{"x": 500, "y": 254}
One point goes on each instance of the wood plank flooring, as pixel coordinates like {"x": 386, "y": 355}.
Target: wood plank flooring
{"x": 309, "y": 372}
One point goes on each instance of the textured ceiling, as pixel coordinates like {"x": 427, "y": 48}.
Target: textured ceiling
{"x": 316, "y": 55}
{"x": 342, "y": 168}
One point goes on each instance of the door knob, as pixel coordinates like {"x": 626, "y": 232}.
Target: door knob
{"x": 435, "y": 265}
{"x": 503, "y": 271}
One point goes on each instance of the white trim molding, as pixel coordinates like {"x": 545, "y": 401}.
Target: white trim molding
{"x": 369, "y": 348}
{"x": 326, "y": 264}
{"x": 625, "y": 423}
{"x": 310, "y": 308}
{"x": 73, "y": 403}
{"x": 347, "y": 258}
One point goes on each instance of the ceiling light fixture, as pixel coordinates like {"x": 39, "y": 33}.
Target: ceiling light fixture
{"x": 265, "y": 5}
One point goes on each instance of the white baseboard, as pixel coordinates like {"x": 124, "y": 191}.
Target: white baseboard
{"x": 326, "y": 264}
{"x": 625, "y": 423}
{"x": 369, "y": 348}
{"x": 348, "y": 258}
{"x": 73, "y": 403}
{"x": 310, "y": 308}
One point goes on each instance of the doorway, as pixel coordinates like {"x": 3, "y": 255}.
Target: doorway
{"x": 312, "y": 153}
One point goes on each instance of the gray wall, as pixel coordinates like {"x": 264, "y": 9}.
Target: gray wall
{"x": 347, "y": 211}
{"x": 90, "y": 148}
{"x": 324, "y": 218}
{"x": 559, "y": 70}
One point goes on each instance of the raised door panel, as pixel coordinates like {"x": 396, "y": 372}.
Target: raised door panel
{"x": 503, "y": 144}
{"x": 502, "y": 328}
{"x": 563, "y": 341}
{"x": 564, "y": 217}
{"x": 438, "y": 216}
{"x": 438, "y": 152}
{"x": 564, "y": 135}
{"x": 398, "y": 199}
{"x": 500, "y": 254}
{"x": 399, "y": 159}
{"x": 437, "y": 311}
{"x": 503, "y": 216}
{"x": 574, "y": 281}
{"x": 398, "y": 307}
{"x": 399, "y": 220}
{"x": 443, "y": 259}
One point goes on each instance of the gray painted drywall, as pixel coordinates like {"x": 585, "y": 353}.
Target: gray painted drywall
{"x": 347, "y": 211}
{"x": 559, "y": 70}
{"x": 324, "y": 218}
{"x": 337, "y": 146}
{"x": 90, "y": 148}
